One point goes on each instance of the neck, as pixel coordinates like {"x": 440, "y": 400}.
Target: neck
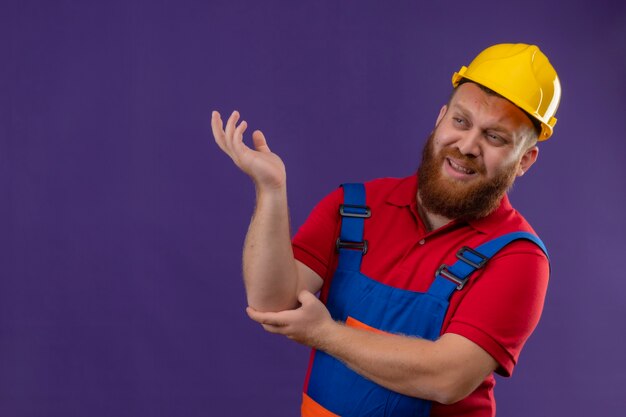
{"x": 431, "y": 221}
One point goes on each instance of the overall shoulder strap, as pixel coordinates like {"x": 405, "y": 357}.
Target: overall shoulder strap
{"x": 353, "y": 212}
{"x": 451, "y": 278}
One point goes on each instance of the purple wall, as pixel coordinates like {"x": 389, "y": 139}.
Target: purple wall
{"x": 121, "y": 223}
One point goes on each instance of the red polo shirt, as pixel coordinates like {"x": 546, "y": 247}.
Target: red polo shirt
{"x": 497, "y": 309}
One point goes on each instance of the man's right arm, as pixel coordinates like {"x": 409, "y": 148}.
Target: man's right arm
{"x": 273, "y": 278}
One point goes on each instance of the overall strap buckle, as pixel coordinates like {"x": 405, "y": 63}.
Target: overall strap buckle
{"x": 355, "y": 210}
{"x": 479, "y": 261}
{"x": 445, "y": 272}
{"x": 350, "y": 244}
{"x": 469, "y": 260}
{"x": 362, "y": 246}
{"x": 473, "y": 259}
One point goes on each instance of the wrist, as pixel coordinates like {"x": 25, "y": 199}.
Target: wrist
{"x": 329, "y": 334}
{"x": 275, "y": 192}
{"x": 270, "y": 183}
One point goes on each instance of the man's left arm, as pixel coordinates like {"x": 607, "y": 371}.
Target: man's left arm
{"x": 445, "y": 370}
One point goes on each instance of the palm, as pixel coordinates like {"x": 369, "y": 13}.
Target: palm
{"x": 262, "y": 165}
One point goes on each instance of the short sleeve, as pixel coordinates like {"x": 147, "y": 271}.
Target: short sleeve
{"x": 314, "y": 243}
{"x": 503, "y": 306}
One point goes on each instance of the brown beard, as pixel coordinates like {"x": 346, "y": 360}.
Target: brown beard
{"x": 456, "y": 199}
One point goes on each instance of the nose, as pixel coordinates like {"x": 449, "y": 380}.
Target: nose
{"x": 469, "y": 144}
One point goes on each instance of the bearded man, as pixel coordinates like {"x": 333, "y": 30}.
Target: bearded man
{"x": 428, "y": 284}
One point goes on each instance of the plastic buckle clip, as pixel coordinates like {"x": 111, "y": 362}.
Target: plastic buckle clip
{"x": 363, "y": 215}
{"x": 352, "y": 245}
{"x": 444, "y": 272}
{"x": 461, "y": 255}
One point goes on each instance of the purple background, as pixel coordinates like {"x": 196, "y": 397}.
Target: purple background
{"x": 121, "y": 222}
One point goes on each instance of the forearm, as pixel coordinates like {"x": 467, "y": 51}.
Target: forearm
{"x": 269, "y": 268}
{"x": 408, "y": 365}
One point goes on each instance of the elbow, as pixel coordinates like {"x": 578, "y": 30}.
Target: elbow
{"x": 271, "y": 304}
{"x": 451, "y": 389}
{"x": 450, "y": 397}
{"x": 440, "y": 389}
{"x": 263, "y": 299}
{"x": 444, "y": 386}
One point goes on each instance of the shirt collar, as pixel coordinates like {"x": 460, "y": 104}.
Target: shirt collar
{"x": 405, "y": 195}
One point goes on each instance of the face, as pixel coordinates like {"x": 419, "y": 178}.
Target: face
{"x": 478, "y": 147}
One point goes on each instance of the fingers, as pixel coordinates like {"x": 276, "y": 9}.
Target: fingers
{"x": 230, "y": 124}
{"x": 257, "y": 316}
{"x": 277, "y": 319}
{"x": 261, "y": 317}
{"x": 267, "y": 321}
{"x": 237, "y": 142}
{"x": 306, "y": 297}
{"x": 259, "y": 141}
{"x": 274, "y": 329}
{"x": 218, "y": 131}
{"x": 308, "y": 300}
{"x": 231, "y": 139}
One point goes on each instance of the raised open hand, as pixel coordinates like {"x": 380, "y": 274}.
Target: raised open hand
{"x": 265, "y": 168}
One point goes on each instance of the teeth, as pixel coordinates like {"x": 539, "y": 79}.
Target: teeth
{"x": 460, "y": 168}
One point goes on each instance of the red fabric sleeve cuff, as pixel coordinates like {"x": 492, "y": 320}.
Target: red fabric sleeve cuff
{"x": 505, "y": 362}
{"x": 310, "y": 260}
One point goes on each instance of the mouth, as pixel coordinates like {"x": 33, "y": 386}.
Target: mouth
{"x": 457, "y": 170}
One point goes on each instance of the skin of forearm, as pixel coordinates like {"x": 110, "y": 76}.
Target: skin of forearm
{"x": 407, "y": 365}
{"x": 269, "y": 268}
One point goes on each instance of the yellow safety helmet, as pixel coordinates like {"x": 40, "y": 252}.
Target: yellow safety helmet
{"x": 523, "y": 75}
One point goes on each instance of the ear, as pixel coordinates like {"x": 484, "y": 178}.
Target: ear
{"x": 528, "y": 159}
{"x": 442, "y": 112}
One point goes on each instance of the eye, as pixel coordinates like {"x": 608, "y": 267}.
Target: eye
{"x": 459, "y": 121}
{"x": 495, "y": 139}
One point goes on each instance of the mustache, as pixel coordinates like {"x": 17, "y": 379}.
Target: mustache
{"x": 470, "y": 163}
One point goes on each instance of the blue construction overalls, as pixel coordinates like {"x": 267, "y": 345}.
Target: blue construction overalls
{"x": 335, "y": 390}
